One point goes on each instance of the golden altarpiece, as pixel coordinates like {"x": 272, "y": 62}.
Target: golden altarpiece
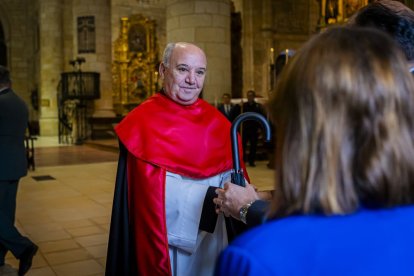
{"x": 134, "y": 68}
{"x": 339, "y": 11}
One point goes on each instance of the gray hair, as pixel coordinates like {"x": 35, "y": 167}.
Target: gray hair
{"x": 167, "y": 53}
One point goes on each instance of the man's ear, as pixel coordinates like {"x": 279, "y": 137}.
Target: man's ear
{"x": 161, "y": 70}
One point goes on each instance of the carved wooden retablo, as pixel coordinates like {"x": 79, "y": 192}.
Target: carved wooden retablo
{"x": 134, "y": 68}
{"x": 339, "y": 11}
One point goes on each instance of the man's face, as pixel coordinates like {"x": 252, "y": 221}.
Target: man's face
{"x": 226, "y": 99}
{"x": 250, "y": 97}
{"x": 184, "y": 77}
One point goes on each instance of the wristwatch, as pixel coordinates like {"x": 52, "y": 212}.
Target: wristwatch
{"x": 243, "y": 212}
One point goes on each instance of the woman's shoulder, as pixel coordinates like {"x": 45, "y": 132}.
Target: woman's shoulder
{"x": 278, "y": 246}
{"x": 304, "y": 227}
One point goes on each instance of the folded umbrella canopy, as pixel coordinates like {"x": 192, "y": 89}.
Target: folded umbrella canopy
{"x": 237, "y": 174}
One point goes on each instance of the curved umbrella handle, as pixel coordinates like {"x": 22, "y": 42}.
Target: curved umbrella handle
{"x": 237, "y": 176}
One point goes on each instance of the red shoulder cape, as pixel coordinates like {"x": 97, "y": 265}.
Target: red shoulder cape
{"x": 161, "y": 135}
{"x": 190, "y": 140}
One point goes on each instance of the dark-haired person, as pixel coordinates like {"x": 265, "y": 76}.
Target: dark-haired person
{"x": 13, "y": 165}
{"x": 250, "y": 135}
{"x": 391, "y": 17}
{"x": 344, "y": 203}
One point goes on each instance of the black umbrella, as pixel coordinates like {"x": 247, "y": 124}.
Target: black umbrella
{"x": 237, "y": 176}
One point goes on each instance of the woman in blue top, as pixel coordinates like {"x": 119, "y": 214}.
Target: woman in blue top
{"x": 344, "y": 205}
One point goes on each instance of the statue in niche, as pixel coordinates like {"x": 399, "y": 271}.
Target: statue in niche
{"x": 138, "y": 79}
{"x": 351, "y": 6}
{"x": 331, "y": 11}
{"x": 338, "y": 11}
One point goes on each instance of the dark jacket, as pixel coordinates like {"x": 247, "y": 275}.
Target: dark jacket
{"x": 252, "y": 126}
{"x": 13, "y": 124}
{"x": 232, "y": 114}
{"x": 257, "y": 212}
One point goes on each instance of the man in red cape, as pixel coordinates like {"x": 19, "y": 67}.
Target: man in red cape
{"x": 175, "y": 149}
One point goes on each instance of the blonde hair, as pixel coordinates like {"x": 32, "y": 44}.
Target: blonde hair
{"x": 345, "y": 105}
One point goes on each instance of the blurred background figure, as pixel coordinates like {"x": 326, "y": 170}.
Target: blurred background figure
{"x": 250, "y": 131}
{"x": 230, "y": 110}
{"x": 345, "y": 193}
{"x": 13, "y": 165}
{"x": 391, "y": 17}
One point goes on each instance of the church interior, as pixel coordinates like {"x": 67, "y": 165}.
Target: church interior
{"x": 81, "y": 66}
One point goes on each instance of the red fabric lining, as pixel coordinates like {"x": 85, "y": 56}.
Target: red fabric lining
{"x": 148, "y": 221}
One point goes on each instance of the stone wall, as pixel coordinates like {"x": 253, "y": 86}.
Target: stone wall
{"x": 207, "y": 24}
{"x": 17, "y": 20}
{"x": 100, "y": 61}
{"x": 276, "y": 24}
{"x": 51, "y": 62}
{"x": 154, "y": 10}
{"x": 59, "y": 45}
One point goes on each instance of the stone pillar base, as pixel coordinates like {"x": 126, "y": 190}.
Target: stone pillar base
{"x": 104, "y": 112}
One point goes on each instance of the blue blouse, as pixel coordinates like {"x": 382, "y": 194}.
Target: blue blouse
{"x": 369, "y": 242}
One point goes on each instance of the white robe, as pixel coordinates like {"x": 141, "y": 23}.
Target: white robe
{"x": 192, "y": 251}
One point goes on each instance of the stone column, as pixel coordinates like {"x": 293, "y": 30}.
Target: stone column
{"x": 51, "y": 57}
{"x": 206, "y": 24}
{"x": 268, "y": 46}
{"x": 248, "y": 38}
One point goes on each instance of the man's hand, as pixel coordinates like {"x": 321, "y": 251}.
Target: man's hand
{"x": 232, "y": 197}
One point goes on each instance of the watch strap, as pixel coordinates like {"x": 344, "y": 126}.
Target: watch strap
{"x": 243, "y": 212}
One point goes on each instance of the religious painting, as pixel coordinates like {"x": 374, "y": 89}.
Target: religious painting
{"x": 86, "y": 34}
{"x": 137, "y": 38}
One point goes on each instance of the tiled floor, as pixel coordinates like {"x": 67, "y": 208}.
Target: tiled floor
{"x": 68, "y": 213}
